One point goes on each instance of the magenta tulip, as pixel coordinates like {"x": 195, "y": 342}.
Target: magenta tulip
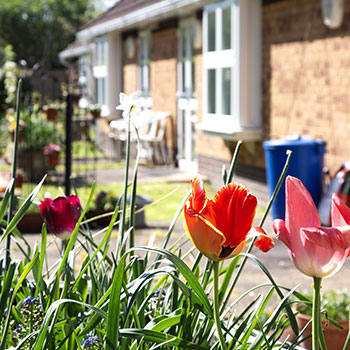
{"x": 61, "y": 214}
{"x": 316, "y": 251}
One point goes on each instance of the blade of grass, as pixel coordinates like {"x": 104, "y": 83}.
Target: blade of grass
{"x": 14, "y": 168}
{"x": 22, "y": 210}
{"x": 113, "y": 315}
{"x": 233, "y": 163}
{"x": 6, "y": 198}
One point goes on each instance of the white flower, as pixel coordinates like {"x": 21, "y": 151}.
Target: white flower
{"x": 130, "y": 105}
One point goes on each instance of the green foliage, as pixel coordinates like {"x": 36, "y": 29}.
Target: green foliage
{"x": 49, "y": 26}
{"x": 125, "y": 297}
{"x": 335, "y": 302}
{"x": 39, "y": 132}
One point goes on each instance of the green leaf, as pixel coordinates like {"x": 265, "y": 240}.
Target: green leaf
{"x": 22, "y": 210}
{"x": 6, "y": 198}
{"x": 191, "y": 279}
{"x": 159, "y": 337}
{"x": 113, "y": 317}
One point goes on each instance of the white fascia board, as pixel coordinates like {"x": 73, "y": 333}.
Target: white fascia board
{"x": 75, "y": 51}
{"x": 161, "y": 9}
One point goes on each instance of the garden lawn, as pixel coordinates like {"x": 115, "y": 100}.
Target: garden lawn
{"x": 166, "y": 196}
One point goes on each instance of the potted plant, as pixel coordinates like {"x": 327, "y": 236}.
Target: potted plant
{"x": 19, "y": 178}
{"x": 103, "y": 203}
{"x": 95, "y": 110}
{"x": 52, "y": 154}
{"x": 336, "y": 307}
{"x": 51, "y": 110}
{"x": 38, "y": 134}
{"x": 12, "y": 126}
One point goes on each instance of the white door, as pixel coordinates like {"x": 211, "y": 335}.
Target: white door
{"x": 186, "y": 97}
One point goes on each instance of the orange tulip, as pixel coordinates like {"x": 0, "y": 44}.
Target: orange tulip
{"x": 221, "y": 227}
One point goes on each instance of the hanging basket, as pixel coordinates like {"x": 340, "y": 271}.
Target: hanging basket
{"x": 52, "y": 159}
{"x": 51, "y": 114}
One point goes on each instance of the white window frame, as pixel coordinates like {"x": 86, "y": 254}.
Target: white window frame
{"x": 100, "y": 71}
{"x": 244, "y": 59}
{"x": 144, "y": 50}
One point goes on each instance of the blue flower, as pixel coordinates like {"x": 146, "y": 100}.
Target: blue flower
{"x": 29, "y": 301}
{"x": 90, "y": 340}
{"x": 156, "y": 293}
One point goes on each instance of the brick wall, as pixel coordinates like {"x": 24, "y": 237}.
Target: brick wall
{"x": 130, "y": 71}
{"x": 306, "y": 76}
{"x": 163, "y": 80}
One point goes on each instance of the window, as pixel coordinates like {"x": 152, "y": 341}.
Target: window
{"x": 144, "y": 44}
{"x": 100, "y": 70}
{"x": 231, "y": 66}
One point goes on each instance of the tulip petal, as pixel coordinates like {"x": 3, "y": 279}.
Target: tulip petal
{"x": 300, "y": 208}
{"x": 199, "y": 198}
{"x": 233, "y": 209}
{"x": 265, "y": 242}
{"x": 340, "y": 212}
{"x": 333, "y": 238}
{"x": 282, "y": 234}
{"x": 203, "y": 234}
{"x": 237, "y": 250}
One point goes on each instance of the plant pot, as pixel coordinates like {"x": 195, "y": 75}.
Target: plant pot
{"x": 51, "y": 114}
{"x": 101, "y": 222}
{"x": 20, "y": 136}
{"x": 96, "y": 114}
{"x": 335, "y": 337}
{"x": 52, "y": 159}
{"x": 19, "y": 181}
{"x": 32, "y": 162}
{"x": 31, "y": 223}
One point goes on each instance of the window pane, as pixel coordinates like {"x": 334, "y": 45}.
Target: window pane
{"x": 211, "y": 31}
{"x": 211, "y": 90}
{"x": 226, "y": 28}
{"x": 226, "y": 91}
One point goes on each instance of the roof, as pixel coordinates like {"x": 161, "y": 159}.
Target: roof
{"x": 121, "y": 8}
{"x": 135, "y": 13}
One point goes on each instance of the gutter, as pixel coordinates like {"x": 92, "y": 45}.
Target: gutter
{"x": 162, "y": 9}
{"x": 70, "y": 53}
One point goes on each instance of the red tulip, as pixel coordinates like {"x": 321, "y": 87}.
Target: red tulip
{"x": 219, "y": 227}
{"x": 61, "y": 214}
{"x": 316, "y": 251}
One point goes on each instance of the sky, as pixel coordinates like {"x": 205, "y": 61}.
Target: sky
{"x": 104, "y": 4}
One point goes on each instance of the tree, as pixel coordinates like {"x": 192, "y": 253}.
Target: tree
{"x": 39, "y": 29}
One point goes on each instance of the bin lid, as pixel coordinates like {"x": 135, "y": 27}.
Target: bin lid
{"x": 292, "y": 143}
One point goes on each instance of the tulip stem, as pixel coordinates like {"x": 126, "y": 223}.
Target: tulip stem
{"x": 316, "y": 314}
{"x": 216, "y": 305}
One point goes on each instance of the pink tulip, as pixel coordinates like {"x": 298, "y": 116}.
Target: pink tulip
{"x": 61, "y": 215}
{"x": 316, "y": 251}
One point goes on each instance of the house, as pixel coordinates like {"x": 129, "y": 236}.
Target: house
{"x": 225, "y": 70}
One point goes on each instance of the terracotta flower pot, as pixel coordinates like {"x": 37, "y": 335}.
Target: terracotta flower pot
{"x": 52, "y": 159}
{"x": 20, "y": 136}
{"x": 335, "y": 337}
{"x": 51, "y": 114}
{"x": 19, "y": 181}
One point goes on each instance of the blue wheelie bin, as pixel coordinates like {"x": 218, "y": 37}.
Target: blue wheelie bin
{"x": 306, "y": 163}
